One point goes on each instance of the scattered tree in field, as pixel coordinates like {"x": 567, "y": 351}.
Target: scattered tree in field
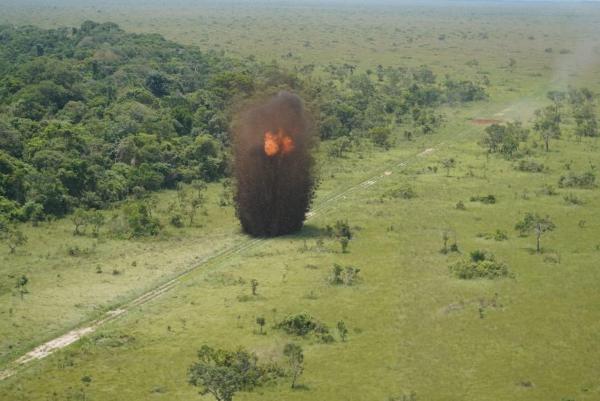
{"x": 13, "y": 237}
{"x": 140, "y": 221}
{"x": 342, "y": 330}
{"x": 445, "y": 239}
{"x": 547, "y": 124}
{"x": 344, "y": 241}
{"x": 449, "y": 164}
{"x": 261, "y": 322}
{"x": 504, "y": 139}
{"x": 191, "y": 199}
{"x": 557, "y": 98}
{"x": 295, "y": 359}
{"x": 80, "y": 220}
{"x": 586, "y": 120}
{"x": 381, "y": 136}
{"x": 342, "y": 232}
{"x": 22, "y": 285}
{"x": 254, "y": 285}
{"x": 224, "y": 373}
{"x": 303, "y": 324}
{"x": 480, "y": 265}
{"x": 96, "y": 220}
{"x": 343, "y": 276}
{"x": 534, "y": 223}
{"x": 339, "y": 146}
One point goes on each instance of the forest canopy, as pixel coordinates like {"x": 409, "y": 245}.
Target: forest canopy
{"x": 90, "y": 115}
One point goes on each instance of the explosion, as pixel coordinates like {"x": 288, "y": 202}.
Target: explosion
{"x": 278, "y": 143}
{"x": 273, "y": 166}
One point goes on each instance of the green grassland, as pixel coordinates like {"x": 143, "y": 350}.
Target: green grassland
{"x": 415, "y": 330}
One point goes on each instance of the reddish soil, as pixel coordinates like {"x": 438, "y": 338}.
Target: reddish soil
{"x": 484, "y": 121}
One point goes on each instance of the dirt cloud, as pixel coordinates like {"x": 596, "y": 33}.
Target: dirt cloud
{"x": 273, "y": 165}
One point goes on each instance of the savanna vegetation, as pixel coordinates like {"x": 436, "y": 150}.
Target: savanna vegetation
{"x": 452, "y": 246}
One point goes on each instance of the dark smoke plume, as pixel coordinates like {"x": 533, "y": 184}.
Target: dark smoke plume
{"x": 273, "y": 166}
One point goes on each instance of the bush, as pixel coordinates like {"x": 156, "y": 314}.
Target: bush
{"x": 223, "y": 373}
{"x": 140, "y": 222}
{"x": 343, "y": 276}
{"x": 303, "y": 324}
{"x": 573, "y": 180}
{"x": 486, "y": 199}
{"x": 404, "y": 192}
{"x": 480, "y": 265}
{"x": 573, "y": 199}
{"x": 381, "y": 136}
{"x": 340, "y": 230}
{"x": 530, "y": 166}
{"x": 177, "y": 220}
{"x": 498, "y": 235}
{"x": 547, "y": 190}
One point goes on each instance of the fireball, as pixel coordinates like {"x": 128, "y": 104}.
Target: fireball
{"x": 278, "y": 143}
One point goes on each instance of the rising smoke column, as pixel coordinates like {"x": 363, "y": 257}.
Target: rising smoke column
{"x": 273, "y": 166}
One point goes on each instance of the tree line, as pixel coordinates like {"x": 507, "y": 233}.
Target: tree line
{"x": 90, "y": 115}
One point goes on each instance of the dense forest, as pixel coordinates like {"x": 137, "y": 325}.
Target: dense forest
{"x": 92, "y": 115}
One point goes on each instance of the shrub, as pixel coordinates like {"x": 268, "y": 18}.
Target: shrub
{"x": 381, "y": 136}
{"x": 404, "y": 192}
{"x": 460, "y": 205}
{"x": 547, "y": 190}
{"x": 480, "y": 265}
{"x": 223, "y": 373}
{"x": 139, "y": 220}
{"x": 530, "y": 166}
{"x": 486, "y": 199}
{"x": 341, "y": 229}
{"x": 498, "y": 235}
{"x": 177, "y": 220}
{"x": 343, "y": 276}
{"x": 573, "y": 180}
{"x": 573, "y": 199}
{"x": 302, "y": 324}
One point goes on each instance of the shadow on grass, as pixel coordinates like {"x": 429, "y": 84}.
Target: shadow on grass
{"x": 309, "y": 231}
{"x": 301, "y": 387}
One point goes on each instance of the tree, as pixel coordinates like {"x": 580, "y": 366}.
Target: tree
{"x": 261, "y": 321}
{"x": 381, "y": 136}
{"x": 157, "y": 83}
{"x": 21, "y": 285}
{"x": 557, "y": 97}
{"x": 223, "y": 373}
{"x": 342, "y": 330}
{"x": 547, "y": 124}
{"x": 534, "y": 223}
{"x": 13, "y": 237}
{"x": 140, "y": 220}
{"x": 585, "y": 120}
{"x": 80, "y": 220}
{"x": 504, "y": 139}
{"x": 449, "y": 164}
{"x": 191, "y": 200}
{"x": 295, "y": 359}
{"x": 445, "y": 239}
{"x": 96, "y": 219}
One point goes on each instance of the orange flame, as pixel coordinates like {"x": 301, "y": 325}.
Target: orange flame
{"x": 276, "y": 143}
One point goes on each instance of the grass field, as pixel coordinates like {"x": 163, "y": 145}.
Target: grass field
{"x": 416, "y": 332}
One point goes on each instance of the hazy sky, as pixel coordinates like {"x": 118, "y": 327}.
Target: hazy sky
{"x": 100, "y": 4}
